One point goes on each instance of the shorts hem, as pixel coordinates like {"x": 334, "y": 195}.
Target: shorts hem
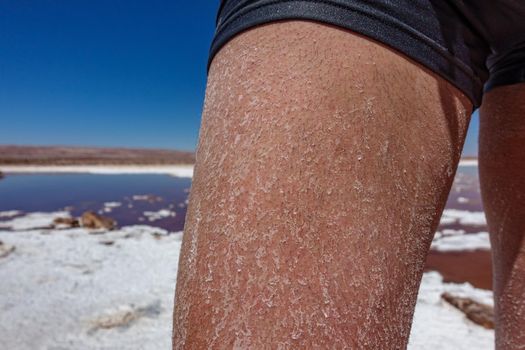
{"x": 378, "y": 26}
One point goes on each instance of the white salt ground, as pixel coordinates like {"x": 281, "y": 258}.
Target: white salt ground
{"x": 463, "y": 200}
{"x": 56, "y": 289}
{"x": 464, "y": 217}
{"x": 33, "y": 220}
{"x": 64, "y": 289}
{"x": 462, "y": 242}
{"x": 9, "y": 213}
{"x": 174, "y": 170}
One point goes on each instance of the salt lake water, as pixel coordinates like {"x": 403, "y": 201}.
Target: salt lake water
{"x": 129, "y": 196}
{"x": 132, "y": 195}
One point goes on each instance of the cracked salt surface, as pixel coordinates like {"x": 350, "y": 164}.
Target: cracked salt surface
{"x": 121, "y": 296}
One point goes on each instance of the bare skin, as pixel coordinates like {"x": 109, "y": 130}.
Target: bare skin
{"x": 323, "y": 165}
{"x": 502, "y": 178}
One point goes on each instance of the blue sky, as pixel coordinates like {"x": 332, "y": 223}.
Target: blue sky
{"x": 107, "y": 72}
{"x": 103, "y": 72}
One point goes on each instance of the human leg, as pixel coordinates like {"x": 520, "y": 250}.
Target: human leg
{"x": 502, "y": 178}
{"x": 323, "y": 165}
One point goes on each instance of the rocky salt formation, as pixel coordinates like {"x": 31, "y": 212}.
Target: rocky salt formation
{"x": 66, "y": 222}
{"x": 94, "y": 221}
{"x": 475, "y": 311}
{"x": 125, "y": 315}
{"x": 88, "y": 220}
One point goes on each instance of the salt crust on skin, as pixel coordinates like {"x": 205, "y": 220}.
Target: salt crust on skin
{"x": 67, "y": 275}
{"x": 174, "y": 170}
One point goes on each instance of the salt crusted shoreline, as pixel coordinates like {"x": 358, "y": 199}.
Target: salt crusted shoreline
{"x": 174, "y": 170}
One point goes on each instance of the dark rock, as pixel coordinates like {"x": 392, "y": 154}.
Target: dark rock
{"x": 1, "y": 175}
{"x": 107, "y": 242}
{"x": 94, "y": 221}
{"x": 66, "y": 222}
{"x": 157, "y": 235}
{"x": 478, "y": 313}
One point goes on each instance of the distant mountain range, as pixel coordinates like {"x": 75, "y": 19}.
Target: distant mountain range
{"x": 64, "y": 155}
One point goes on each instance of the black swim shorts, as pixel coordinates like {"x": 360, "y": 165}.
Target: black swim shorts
{"x": 474, "y": 44}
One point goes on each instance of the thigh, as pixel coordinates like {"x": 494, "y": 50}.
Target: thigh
{"x": 502, "y": 174}
{"x": 323, "y": 164}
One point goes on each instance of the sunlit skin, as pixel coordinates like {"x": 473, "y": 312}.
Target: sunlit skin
{"x": 502, "y": 179}
{"x": 323, "y": 165}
